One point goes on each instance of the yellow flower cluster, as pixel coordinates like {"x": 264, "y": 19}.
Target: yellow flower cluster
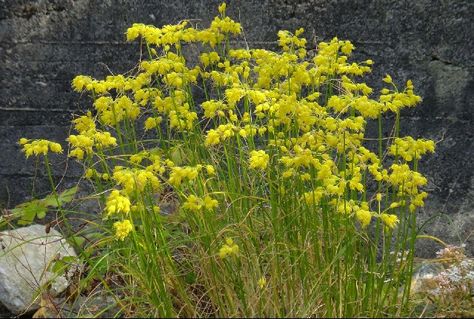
{"x": 175, "y": 35}
{"x": 39, "y": 147}
{"x": 82, "y": 82}
{"x": 122, "y": 229}
{"x": 332, "y": 58}
{"x": 196, "y": 204}
{"x": 394, "y": 100}
{"x": 210, "y": 58}
{"x": 222, "y": 133}
{"x": 314, "y": 197}
{"x": 210, "y": 170}
{"x": 259, "y": 159}
{"x": 154, "y": 160}
{"x": 113, "y": 111}
{"x": 307, "y": 112}
{"x": 390, "y": 221}
{"x": 81, "y": 145}
{"x": 135, "y": 180}
{"x": 408, "y": 183}
{"x": 117, "y": 203}
{"x": 180, "y": 174}
{"x": 213, "y": 108}
{"x": 292, "y": 43}
{"x": 89, "y": 137}
{"x": 152, "y": 122}
{"x": 410, "y": 149}
{"x": 364, "y": 217}
{"x": 228, "y": 249}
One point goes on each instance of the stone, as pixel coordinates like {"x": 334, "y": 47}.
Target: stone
{"x": 26, "y": 257}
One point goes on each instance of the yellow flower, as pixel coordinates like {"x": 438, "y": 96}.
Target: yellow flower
{"x": 152, "y": 122}
{"x": 196, "y": 204}
{"x": 90, "y": 172}
{"x": 228, "y": 249}
{"x": 80, "y": 82}
{"x": 122, "y": 229}
{"x": 347, "y": 47}
{"x": 222, "y": 8}
{"x": 39, "y": 147}
{"x": 55, "y": 147}
{"x": 210, "y": 170}
{"x": 212, "y": 108}
{"x": 135, "y": 179}
{"x": 212, "y": 138}
{"x": 288, "y": 173}
{"x": 259, "y": 159}
{"x": 210, "y": 203}
{"x": 364, "y": 217}
{"x": 81, "y": 144}
{"x": 193, "y": 203}
{"x": 84, "y": 123}
{"x": 406, "y": 180}
{"x": 394, "y": 205}
{"x": 262, "y": 281}
{"x": 117, "y": 203}
{"x": 389, "y": 220}
{"x": 178, "y": 174}
{"x": 314, "y": 197}
{"x": 410, "y": 149}
{"x": 378, "y": 197}
{"x": 305, "y": 177}
{"x": 104, "y": 139}
{"x": 388, "y": 79}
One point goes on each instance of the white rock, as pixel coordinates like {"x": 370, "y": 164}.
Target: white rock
{"x": 25, "y": 256}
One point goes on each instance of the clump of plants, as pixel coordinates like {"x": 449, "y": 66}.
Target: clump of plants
{"x": 282, "y": 206}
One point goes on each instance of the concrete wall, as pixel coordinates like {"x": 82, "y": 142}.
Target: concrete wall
{"x": 44, "y": 44}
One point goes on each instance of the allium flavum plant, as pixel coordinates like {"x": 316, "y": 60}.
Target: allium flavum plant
{"x": 278, "y": 208}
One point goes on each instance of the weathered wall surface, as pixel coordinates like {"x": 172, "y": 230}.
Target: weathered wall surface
{"x": 44, "y": 44}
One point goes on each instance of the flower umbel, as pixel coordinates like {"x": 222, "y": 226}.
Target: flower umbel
{"x": 228, "y": 249}
{"x": 122, "y": 229}
{"x": 117, "y": 203}
{"x": 39, "y": 147}
{"x": 259, "y": 160}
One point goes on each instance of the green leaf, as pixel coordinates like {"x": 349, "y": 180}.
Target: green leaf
{"x": 77, "y": 241}
{"x": 59, "y": 267}
{"x": 27, "y": 212}
{"x": 41, "y": 213}
{"x": 37, "y": 208}
{"x": 68, "y": 195}
{"x": 63, "y": 198}
{"x": 50, "y": 201}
